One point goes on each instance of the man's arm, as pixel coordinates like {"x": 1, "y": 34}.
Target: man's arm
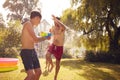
{"x": 59, "y": 23}
{"x": 31, "y": 32}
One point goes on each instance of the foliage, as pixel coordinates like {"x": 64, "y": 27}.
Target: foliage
{"x": 9, "y": 52}
{"x": 66, "y": 54}
{"x": 98, "y": 56}
{"x": 9, "y": 38}
{"x": 116, "y": 56}
{"x": 18, "y": 8}
{"x": 97, "y": 16}
{"x": 109, "y": 57}
{"x": 2, "y": 22}
{"x": 3, "y": 32}
{"x": 68, "y": 18}
{"x": 90, "y": 56}
{"x": 96, "y": 43}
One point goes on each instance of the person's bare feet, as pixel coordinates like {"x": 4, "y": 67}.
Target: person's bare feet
{"x": 47, "y": 66}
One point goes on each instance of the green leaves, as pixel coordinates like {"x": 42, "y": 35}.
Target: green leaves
{"x": 10, "y": 36}
{"x": 96, "y": 18}
{"x": 18, "y": 8}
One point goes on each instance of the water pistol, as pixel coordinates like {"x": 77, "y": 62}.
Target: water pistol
{"x": 46, "y": 35}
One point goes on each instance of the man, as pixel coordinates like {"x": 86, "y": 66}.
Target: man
{"x": 56, "y": 48}
{"x": 28, "y": 54}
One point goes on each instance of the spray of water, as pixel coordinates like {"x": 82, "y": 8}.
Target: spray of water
{"x": 70, "y": 35}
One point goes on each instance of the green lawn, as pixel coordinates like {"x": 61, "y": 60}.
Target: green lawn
{"x": 72, "y": 69}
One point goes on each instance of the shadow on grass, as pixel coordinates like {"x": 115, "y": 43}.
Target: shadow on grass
{"x": 93, "y": 71}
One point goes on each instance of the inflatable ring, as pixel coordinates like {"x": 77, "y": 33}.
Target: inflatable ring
{"x": 8, "y": 64}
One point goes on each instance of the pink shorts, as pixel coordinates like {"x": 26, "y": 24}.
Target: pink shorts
{"x": 57, "y": 51}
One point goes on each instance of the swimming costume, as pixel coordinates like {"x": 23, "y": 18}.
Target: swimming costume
{"x": 57, "y": 51}
{"x": 30, "y": 59}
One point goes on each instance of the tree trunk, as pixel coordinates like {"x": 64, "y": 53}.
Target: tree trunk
{"x": 114, "y": 44}
{"x": 113, "y": 38}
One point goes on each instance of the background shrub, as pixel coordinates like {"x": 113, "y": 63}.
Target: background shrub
{"x": 66, "y": 55}
{"x": 9, "y": 52}
{"x": 100, "y": 56}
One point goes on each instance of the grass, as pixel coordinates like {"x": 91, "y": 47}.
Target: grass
{"x": 72, "y": 69}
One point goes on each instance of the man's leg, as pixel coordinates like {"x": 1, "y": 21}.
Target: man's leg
{"x": 47, "y": 63}
{"x": 50, "y": 62}
{"x": 37, "y": 73}
{"x": 30, "y": 75}
{"x": 57, "y": 69}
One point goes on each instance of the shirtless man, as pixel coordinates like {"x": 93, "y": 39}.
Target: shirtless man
{"x": 56, "y": 48}
{"x": 28, "y": 54}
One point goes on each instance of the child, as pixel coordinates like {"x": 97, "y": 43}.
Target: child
{"x": 28, "y": 53}
{"x": 56, "y": 48}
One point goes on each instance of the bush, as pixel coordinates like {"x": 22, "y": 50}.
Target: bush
{"x": 100, "y": 56}
{"x": 116, "y": 56}
{"x": 9, "y": 52}
{"x": 66, "y": 55}
{"x": 90, "y": 56}
{"x": 103, "y": 57}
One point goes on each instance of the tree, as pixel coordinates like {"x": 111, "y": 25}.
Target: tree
{"x": 10, "y": 36}
{"x": 99, "y": 16}
{"x": 2, "y": 22}
{"x": 18, "y": 8}
{"x": 2, "y": 31}
{"x": 69, "y": 18}
{"x": 2, "y": 36}
{"x": 12, "y": 39}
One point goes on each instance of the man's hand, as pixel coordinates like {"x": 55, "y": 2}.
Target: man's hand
{"x": 48, "y": 36}
{"x": 58, "y": 23}
{"x": 55, "y": 19}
